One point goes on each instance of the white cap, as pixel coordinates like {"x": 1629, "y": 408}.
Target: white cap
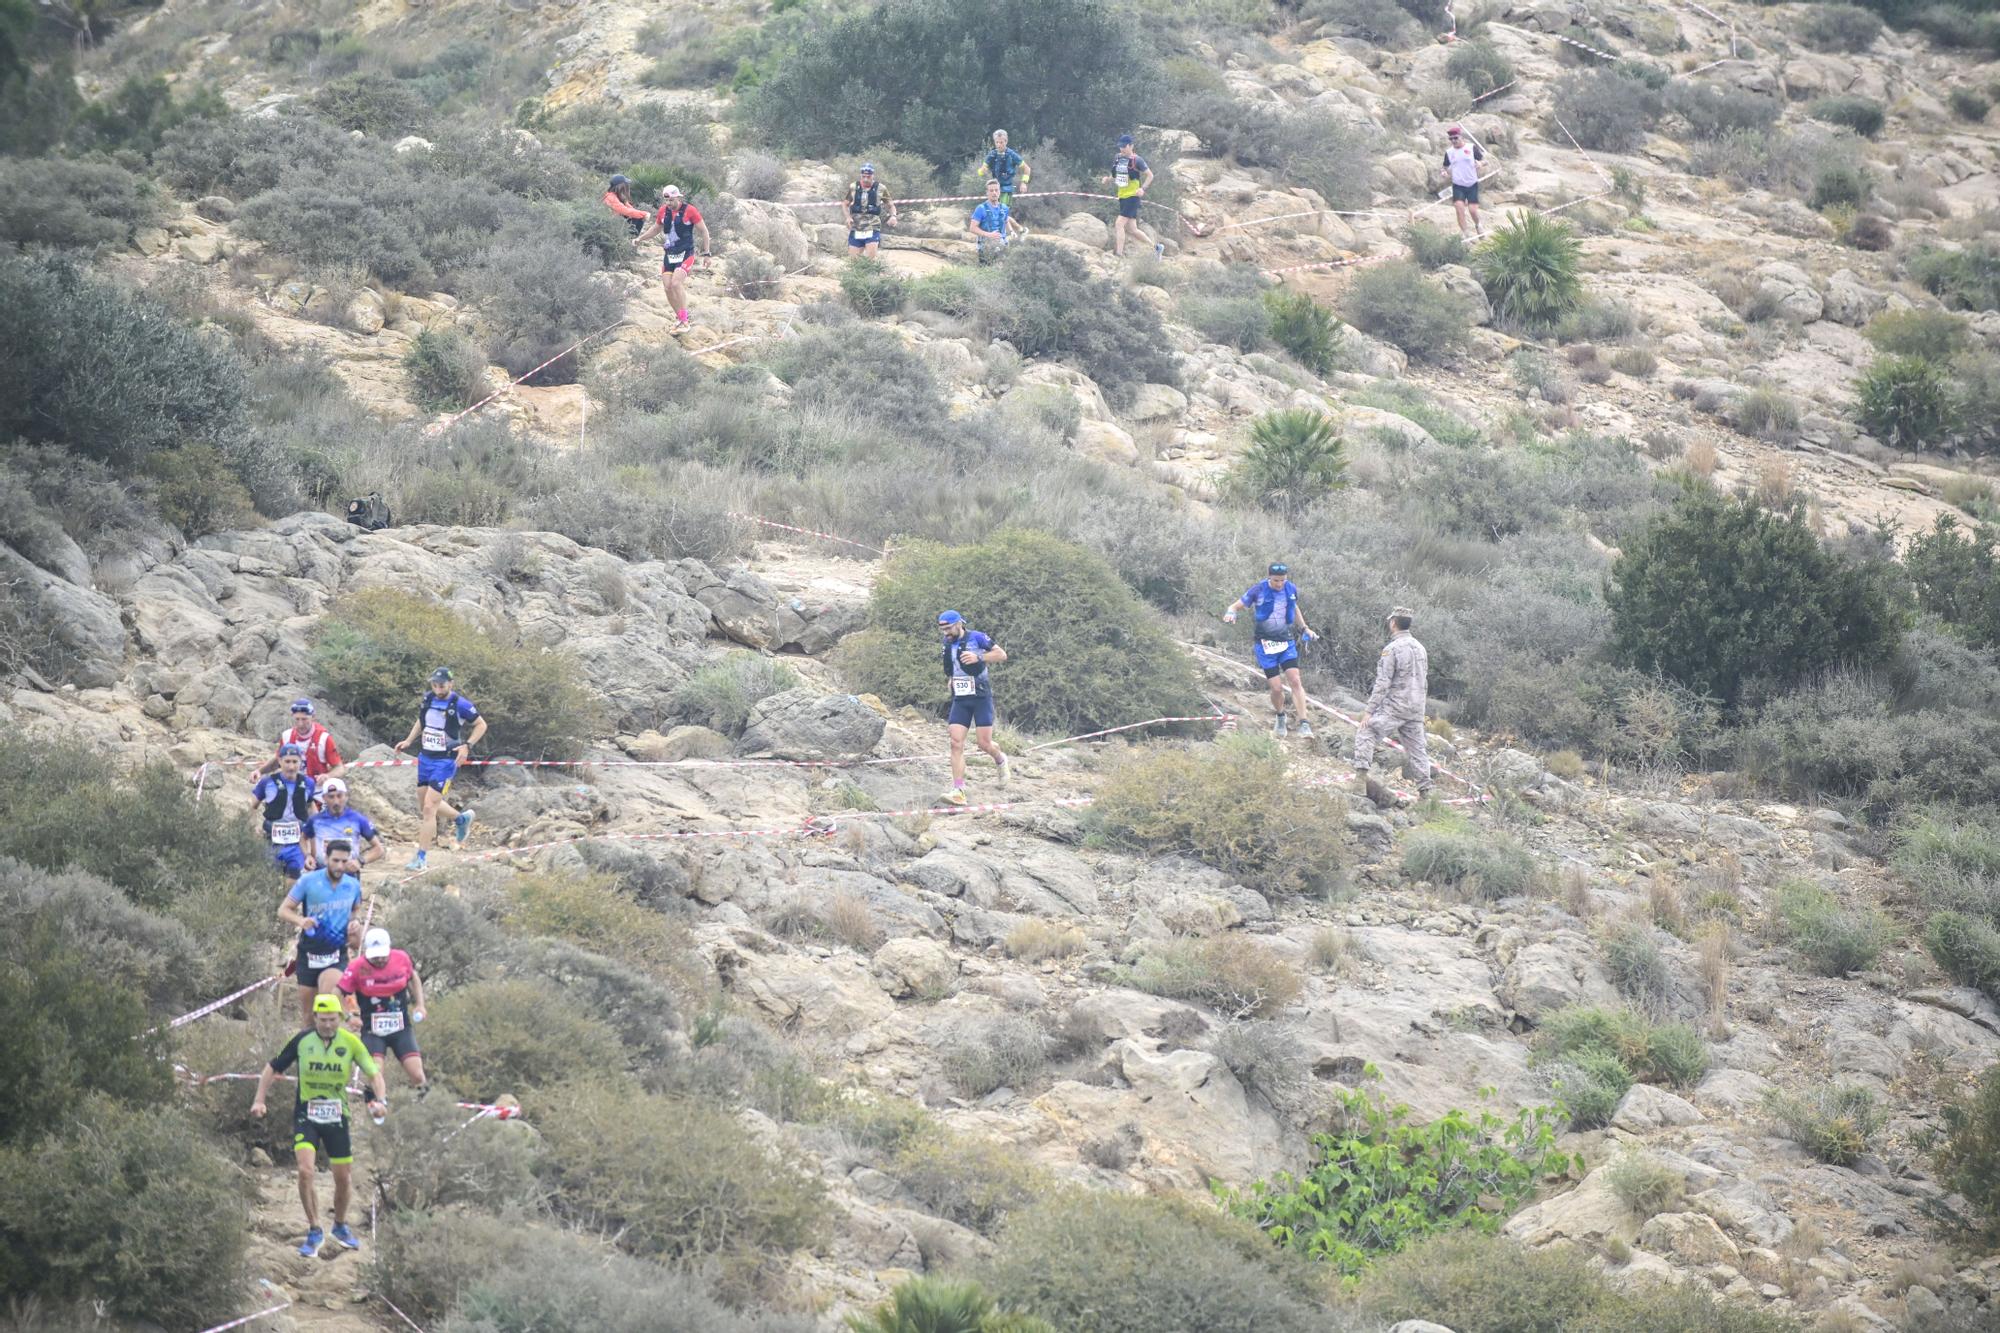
{"x": 375, "y": 944}
{"x": 334, "y": 784}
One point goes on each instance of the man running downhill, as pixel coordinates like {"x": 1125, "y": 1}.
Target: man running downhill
{"x": 335, "y": 821}
{"x": 322, "y": 756}
{"x": 1130, "y": 176}
{"x": 323, "y": 908}
{"x": 1461, "y": 169}
{"x": 867, "y": 198}
{"x": 284, "y": 800}
{"x": 677, "y": 223}
{"x": 1007, "y": 167}
{"x": 442, "y": 715}
{"x": 389, "y": 999}
{"x": 326, "y": 1054}
{"x": 1274, "y": 605}
{"x": 992, "y": 224}
{"x": 967, "y": 654}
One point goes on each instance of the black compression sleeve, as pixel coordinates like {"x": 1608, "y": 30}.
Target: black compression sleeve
{"x": 288, "y": 1057}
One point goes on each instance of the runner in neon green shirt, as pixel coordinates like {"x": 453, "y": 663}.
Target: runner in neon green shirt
{"x": 327, "y": 1055}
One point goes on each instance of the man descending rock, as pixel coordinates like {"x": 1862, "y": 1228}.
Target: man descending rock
{"x": 322, "y": 756}
{"x": 443, "y": 718}
{"x": 992, "y": 225}
{"x": 1461, "y": 169}
{"x": 867, "y": 199}
{"x": 1396, "y": 708}
{"x": 324, "y": 908}
{"x": 285, "y": 803}
{"x": 389, "y": 999}
{"x": 1281, "y": 628}
{"x": 967, "y": 654}
{"x": 339, "y": 822}
{"x": 677, "y": 224}
{"x": 326, "y": 1055}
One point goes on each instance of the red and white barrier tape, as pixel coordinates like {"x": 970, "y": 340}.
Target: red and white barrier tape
{"x": 1329, "y": 263}
{"x": 1309, "y": 213}
{"x": 1494, "y": 92}
{"x": 213, "y": 1005}
{"x": 1567, "y": 41}
{"x": 496, "y": 1112}
{"x": 1026, "y": 194}
{"x": 1130, "y": 726}
{"x": 440, "y": 427}
{"x": 252, "y": 1318}
{"x": 1557, "y": 208}
{"x": 386, "y": 1301}
{"x": 810, "y": 532}
{"x": 1602, "y": 174}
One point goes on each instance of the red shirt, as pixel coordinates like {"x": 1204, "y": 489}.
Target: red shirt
{"x": 321, "y": 753}
{"x": 677, "y": 229}
{"x": 378, "y": 983}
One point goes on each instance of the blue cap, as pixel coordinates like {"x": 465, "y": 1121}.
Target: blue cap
{"x": 1278, "y": 568}
{"x": 950, "y": 618}
{"x": 868, "y": 168}
{"x": 302, "y": 705}
{"x": 290, "y": 752}
{"x": 441, "y": 675}
{"x": 1124, "y": 140}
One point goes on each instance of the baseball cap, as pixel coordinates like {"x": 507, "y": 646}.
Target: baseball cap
{"x": 1400, "y": 613}
{"x": 375, "y": 944}
{"x": 441, "y": 675}
{"x": 1124, "y": 139}
{"x": 1279, "y": 567}
{"x": 334, "y": 784}
{"x": 326, "y": 1004}
{"x": 868, "y": 168}
{"x": 291, "y": 752}
{"x": 670, "y": 192}
{"x": 302, "y": 705}
{"x": 1454, "y": 131}
{"x": 949, "y": 618}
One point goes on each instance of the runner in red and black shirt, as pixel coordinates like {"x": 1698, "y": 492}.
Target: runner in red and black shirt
{"x": 676, "y": 224}
{"x": 321, "y": 754}
{"x": 389, "y": 996}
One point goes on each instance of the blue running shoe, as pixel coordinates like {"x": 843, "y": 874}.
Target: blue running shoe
{"x": 313, "y": 1238}
{"x": 461, "y": 826}
{"x": 414, "y": 863}
{"x": 344, "y": 1236}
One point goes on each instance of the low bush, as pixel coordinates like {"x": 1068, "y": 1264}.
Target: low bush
{"x": 1839, "y": 27}
{"x": 937, "y": 1305}
{"x": 374, "y": 649}
{"x": 446, "y": 372}
{"x": 1225, "y": 304}
{"x": 196, "y": 489}
{"x": 1296, "y": 457}
{"x": 1839, "y": 184}
{"x": 709, "y": 1186}
{"x": 1964, "y": 279}
{"x": 127, "y": 1207}
{"x": 1481, "y": 864}
{"x": 1957, "y": 578}
{"x": 1969, "y": 104}
{"x": 1832, "y": 940}
{"x": 1181, "y": 1265}
{"x": 1108, "y": 660}
{"x": 1968, "y": 1156}
{"x": 1966, "y": 948}
{"x": 1952, "y": 859}
{"x": 375, "y": 104}
{"x": 1907, "y": 402}
{"x": 538, "y": 294}
{"x": 1306, "y": 330}
{"x": 590, "y": 911}
{"x": 1397, "y": 303}
{"x": 1645, "y": 1184}
{"x": 1478, "y": 68}
{"x": 1379, "y": 1183}
{"x": 509, "y": 1035}
{"x": 1635, "y": 965}
{"x": 419, "y": 1163}
{"x": 1932, "y": 334}
{"x": 1046, "y": 302}
{"x": 1432, "y": 246}
{"x": 1230, "y": 806}
{"x": 1591, "y": 1084}
{"x": 751, "y": 277}
{"x": 1836, "y": 1123}
{"x": 1669, "y": 1053}
{"x": 1232, "y": 974}
{"x": 1712, "y": 111}
{"x": 1005, "y": 1051}
{"x": 872, "y": 289}
{"x": 949, "y": 291}
{"x": 1531, "y": 269}
{"x": 1607, "y": 110}
{"x": 1376, "y": 22}
{"x": 72, "y": 205}
{"x": 455, "y": 941}
{"x": 1269, "y": 1060}
{"x": 1864, "y": 115}
{"x": 721, "y": 694}
{"x": 975, "y": 1182}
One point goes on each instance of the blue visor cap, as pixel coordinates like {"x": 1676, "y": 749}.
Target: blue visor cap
{"x": 950, "y": 618}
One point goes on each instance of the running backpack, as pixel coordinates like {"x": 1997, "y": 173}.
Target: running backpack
{"x": 371, "y": 514}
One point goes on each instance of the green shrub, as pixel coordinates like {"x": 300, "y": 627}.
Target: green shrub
{"x": 936, "y": 1305}
{"x": 1395, "y": 302}
{"x": 949, "y": 291}
{"x": 1907, "y": 402}
{"x": 503, "y": 1036}
{"x": 1864, "y": 115}
{"x": 375, "y": 104}
{"x": 1530, "y": 269}
{"x": 1840, "y": 183}
{"x": 1232, "y": 974}
{"x": 1432, "y": 247}
{"x": 1047, "y": 303}
{"x": 1966, "y": 948}
{"x": 1957, "y": 578}
{"x": 537, "y": 295}
{"x": 708, "y": 1186}
{"x": 1717, "y": 591}
{"x": 1591, "y": 1084}
{"x": 72, "y": 204}
{"x": 1230, "y": 806}
{"x": 1045, "y": 69}
{"x": 1386, "y": 23}
{"x": 196, "y": 490}
{"x": 1306, "y": 330}
{"x": 1954, "y": 860}
{"x": 1968, "y": 1157}
{"x": 1932, "y": 334}
{"x": 1180, "y": 1265}
{"x": 419, "y": 1163}
{"x": 1379, "y": 1183}
{"x": 975, "y": 1182}
{"x": 1832, "y": 939}
{"x": 1005, "y": 1051}
{"x": 872, "y": 289}
{"x": 1296, "y": 457}
{"x": 1478, "y": 67}
{"x": 1712, "y": 111}
{"x": 1226, "y": 305}
{"x": 1969, "y": 104}
{"x": 374, "y": 650}
{"x": 1107, "y": 661}
{"x": 721, "y": 694}
{"x": 1608, "y": 110}
{"x": 1834, "y": 1122}
{"x": 1645, "y": 1184}
{"x": 446, "y": 372}
{"x": 1483, "y": 864}
{"x": 126, "y": 1206}
{"x": 1839, "y": 27}
{"x": 1635, "y": 965}
{"x": 1670, "y": 1053}
{"x": 869, "y": 378}
{"x": 1268, "y": 1058}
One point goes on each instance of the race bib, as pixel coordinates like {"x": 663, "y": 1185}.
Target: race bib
{"x": 325, "y": 1111}
{"x": 285, "y": 833}
{"x": 868, "y": 235}
{"x": 386, "y": 1022}
{"x": 963, "y": 685}
{"x": 323, "y": 960}
{"x": 436, "y": 739}
{"x": 1274, "y": 647}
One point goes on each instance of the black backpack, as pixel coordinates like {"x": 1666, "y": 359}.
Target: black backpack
{"x": 371, "y": 514}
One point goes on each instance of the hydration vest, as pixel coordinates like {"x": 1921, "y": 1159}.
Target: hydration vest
{"x": 452, "y": 721}
{"x": 866, "y": 200}
{"x": 675, "y": 234}
{"x": 296, "y": 798}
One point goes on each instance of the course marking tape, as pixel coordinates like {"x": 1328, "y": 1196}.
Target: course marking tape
{"x": 1310, "y": 213}
{"x": 1026, "y": 194}
{"x": 1329, "y": 263}
{"x": 1130, "y": 726}
{"x": 1602, "y": 174}
{"x": 250, "y": 1318}
{"x": 384, "y": 1299}
{"x": 1568, "y": 41}
{"x": 810, "y": 532}
{"x": 440, "y": 427}
{"x": 213, "y": 1005}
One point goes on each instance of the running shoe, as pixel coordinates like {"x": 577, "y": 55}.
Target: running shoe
{"x": 344, "y": 1236}
{"x": 1005, "y": 769}
{"x": 1278, "y": 727}
{"x": 461, "y": 826}
{"x": 314, "y": 1239}
{"x": 1160, "y": 249}
{"x": 1305, "y": 729}
{"x": 953, "y": 797}
{"x": 414, "y": 863}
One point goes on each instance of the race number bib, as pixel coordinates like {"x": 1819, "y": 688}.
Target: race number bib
{"x": 1274, "y": 647}
{"x": 285, "y": 833}
{"x": 323, "y": 960}
{"x": 435, "y": 739}
{"x": 386, "y": 1022}
{"x": 325, "y": 1111}
{"x": 963, "y": 685}
{"x": 861, "y": 235}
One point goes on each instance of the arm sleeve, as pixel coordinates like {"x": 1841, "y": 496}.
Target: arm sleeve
{"x": 288, "y": 1057}
{"x": 364, "y": 828}
{"x": 1385, "y": 675}
{"x": 693, "y": 215}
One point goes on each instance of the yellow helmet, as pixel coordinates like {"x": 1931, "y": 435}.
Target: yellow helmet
{"x": 326, "y": 1004}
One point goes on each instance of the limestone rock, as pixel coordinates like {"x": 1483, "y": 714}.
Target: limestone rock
{"x": 1647, "y": 1108}
{"x": 1458, "y": 280}
{"x": 364, "y": 313}
{"x": 1156, "y": 402}
{"x": 1552, "y": 974}
{"x": 1851, "y": 301}
{"x": 1792, "y": 289}
{"x": 910, "y": 966}
{"x": 1692, "y": 1238}
{"x": 216, "y": 208}
{"x": 84, "y": 624}
{"x": 802, "y": 724}
{"x": 413, "y": 143}
{"x": 1085, "y": 229}
{"x": 1106, "y": 442}
{"x": 1589, "y": 1213}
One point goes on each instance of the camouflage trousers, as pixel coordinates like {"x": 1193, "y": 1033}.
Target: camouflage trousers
{"x": 1408, "y": 731}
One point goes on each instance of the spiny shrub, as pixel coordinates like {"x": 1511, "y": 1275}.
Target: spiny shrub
{"x": 1907, "y": 402}
{"x": 1968, "y": 1157}
{"x": 1969, "y": 104}
{"x": 1431, "y": 246}
{"x": 1478, "y": 68}
{"x": 1048, "y": 303}
{"x": 872, "y": 289}
{"x": 1606, "y": 109}
{"x": 1832, "y": 939}
{"x": 1296, "y": 457}
{"x": 1966, "y": 948}
{"x": 1645, "y": 1184}
{"x": 1864, "y": 115}
{"x": 446, "y": 372}
{"x": 1840, "y": 183}
{"x": 1637, "y": 968}
{"x": 375, "y": 104}
{"x": 721, "y": 694}
{"x": 1711, "y": 111}
{"x": 1226, "y": 305}
{"x": 1839, "y": 27}
{"x": 1670, "y": 1053}
{"x": 1233, "y": 974}
{"x": 1591, "y": 1084}
{"x": 374, "y": 649}
{"x": 1110, "y": 660}
{"x": 1230, "y": 806}
{"x": 1397, "y": 303}
{"x": 1379, "y": 1183}
{"x": 538, "y": 294}
{"x": 1006, "y": 1051}
{"x": 938, "y": 1305}
{"x": 1835, "y": 1123}
{"x": 1305, "y": 329}
{"x": 1451, "y": 852}
{"x": 1531, "y": 269}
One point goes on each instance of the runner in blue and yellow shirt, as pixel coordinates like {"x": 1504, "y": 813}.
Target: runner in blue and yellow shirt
{"x": 448, "y": 726}
{"x": 967, "y": 654}
{"x": 1281, "y": 628}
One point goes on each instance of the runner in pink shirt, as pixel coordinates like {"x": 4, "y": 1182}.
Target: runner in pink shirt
{"x": 389, "y": 998}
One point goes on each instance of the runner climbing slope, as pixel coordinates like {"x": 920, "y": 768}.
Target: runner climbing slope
{"x": 326, "y": 1055}
{"x": 1280, "y": 629}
